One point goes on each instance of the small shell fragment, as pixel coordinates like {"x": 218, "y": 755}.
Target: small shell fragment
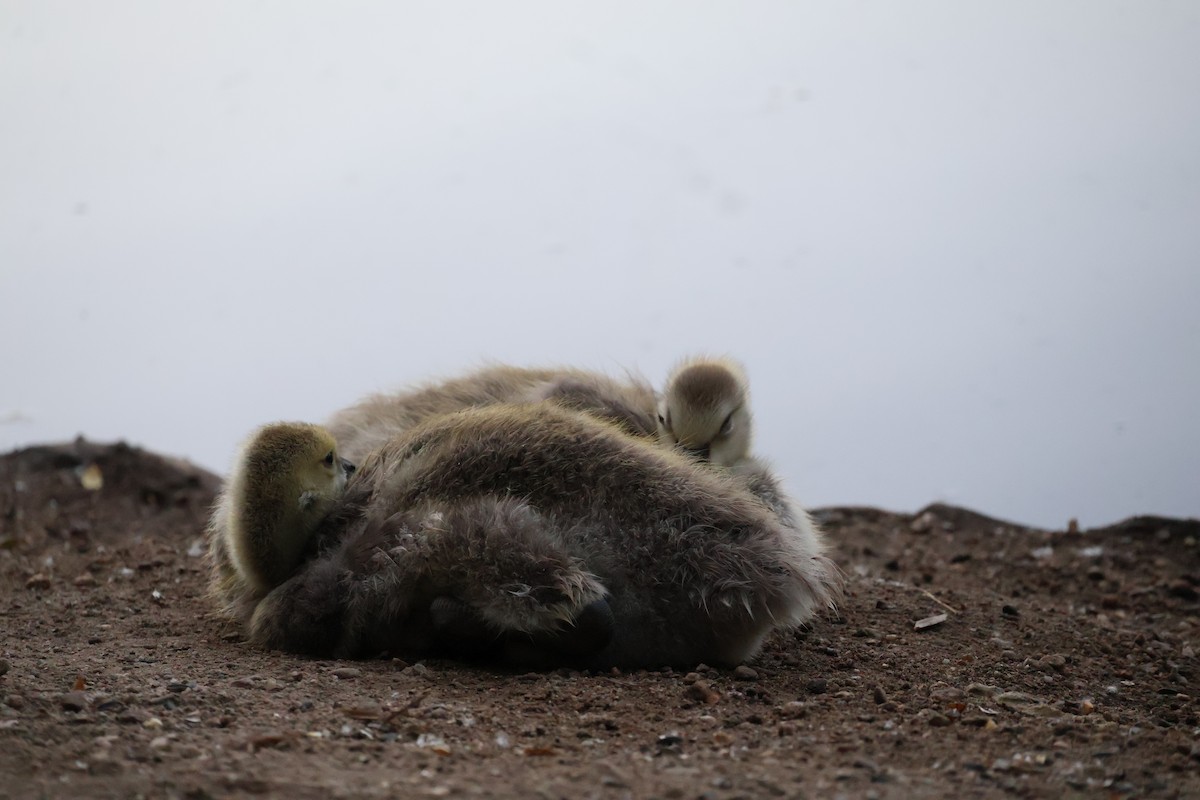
{"x": 92, "y": 478}
{"x": 929, "y": 622}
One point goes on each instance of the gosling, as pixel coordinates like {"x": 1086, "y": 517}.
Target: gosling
{"x": 369, "y": 423}
{"x": 286, "y": 478}
{"x": 535, "y": 517}
{"x": 705, "y": 411}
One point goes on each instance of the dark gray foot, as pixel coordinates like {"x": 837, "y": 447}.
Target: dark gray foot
{"x": 586, "y": 635}
{"x": 459, "y": 631}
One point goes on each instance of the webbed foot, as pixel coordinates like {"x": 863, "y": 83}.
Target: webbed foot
{"x": 461, "y": 631}
{"x": 585, "y": 635}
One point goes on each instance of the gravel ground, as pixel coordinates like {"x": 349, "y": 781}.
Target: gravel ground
{"x": 971, "y": 658}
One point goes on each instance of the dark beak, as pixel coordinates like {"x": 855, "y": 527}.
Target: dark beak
{"x": 346, "y": 465}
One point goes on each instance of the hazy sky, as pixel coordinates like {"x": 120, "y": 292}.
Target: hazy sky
{"x": 957, "y": 245}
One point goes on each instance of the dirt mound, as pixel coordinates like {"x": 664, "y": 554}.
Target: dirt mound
{"x": 971, "y": 658}
{"x": 84, "y": 494}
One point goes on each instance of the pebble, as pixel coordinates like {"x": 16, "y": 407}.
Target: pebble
{"x": 691, "y": 677}
{"x": 371, "y": 712}
{"x": 244, "y": 682}
{"x": 38, "y": 581}
{"x": 73, "y": 701}
{"x": 938, "y": 720}
{"x": 1010, "y": 611}
{"x": 701, "y": 691}
{"x": 102, "y": 763}
{"x": 1056, "y": 661}
{"x": 132, "y": 716}
{"x": 1015, "y": 699}
{"x": 85, "y": 581}
{"x": 4, "y": 666}
{"x": 867, "y": 764}
{"x": 923, "y": 523}
{"x": 947, "y": 694}
{"x": 15, "y": 701}
{"x": 671, "y": 739}
{"x": 793, "y": 710}
{"x": 1183, "y": 590}
{"x": 744, "y": 673}
{"x": 817, "y": 686}
{"x": 878, "y": 695}
{"x": 347, "y": 673}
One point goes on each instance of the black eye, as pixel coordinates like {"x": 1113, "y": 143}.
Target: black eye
{"x": 727, "y": 425}
{"x": 328, "y": 461}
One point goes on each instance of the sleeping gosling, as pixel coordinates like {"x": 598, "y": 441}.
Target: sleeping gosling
{"x": 705, "y": 411}
{"x": 285, "y": 479}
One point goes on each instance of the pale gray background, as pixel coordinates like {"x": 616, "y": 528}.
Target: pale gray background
{"x": 956, "y": 244}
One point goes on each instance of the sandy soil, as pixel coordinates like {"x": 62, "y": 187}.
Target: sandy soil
{"x": 1062, "y": 667}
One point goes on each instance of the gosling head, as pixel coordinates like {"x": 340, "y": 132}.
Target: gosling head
{"x": 705, "y": 411}
{"x": 287, "y": 478}
{"x": 296, "y": 460}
